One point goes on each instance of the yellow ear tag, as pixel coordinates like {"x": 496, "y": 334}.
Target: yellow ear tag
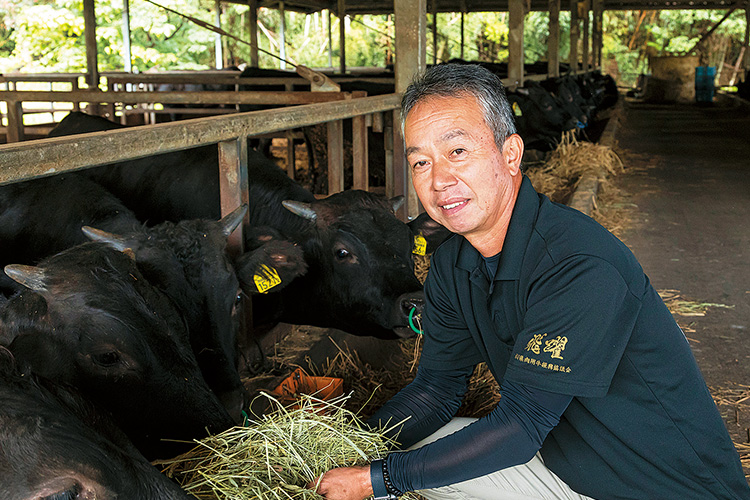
{"x": 517, "y": 109}
{"x": 420, "y": 245}
{"x": 265, "y": 282}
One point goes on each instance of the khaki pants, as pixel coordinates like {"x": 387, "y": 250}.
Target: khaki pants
{"x": 528, "y": 481}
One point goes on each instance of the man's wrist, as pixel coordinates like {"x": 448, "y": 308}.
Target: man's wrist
{"x": 382, "y": 487}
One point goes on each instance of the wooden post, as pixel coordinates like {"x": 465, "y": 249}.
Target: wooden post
{"x": 433, "y": 10}
{"x": 92, "y": 64}
{"x": 282, "y": 35}
{"x": 574, "y": 32}
{"x": 462, "y": 34}
{"x": 233, "y": 189}
{"x": 126, "y": 55}
{"x": 597, "y": 39}
{"x": 217, "y": 37}
{"x": 361, "y": 176}
{"x": 586, "y": 29}
{"x": 253, "y": 25}
{"x": 330, "y": 40}
{"x": 411, "y": 43}
{"x": 15, "y": 131}
{"x": 746, "y": 64}
{"x": 516, "y": 14}
{"x": 342, "y": 36}
{"x": 553, "y": 41}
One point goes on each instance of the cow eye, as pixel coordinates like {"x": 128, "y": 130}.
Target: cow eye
{"x": 106, "y": 359}
{"x": 342, "y": 253}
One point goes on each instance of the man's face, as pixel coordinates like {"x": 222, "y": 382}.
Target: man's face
{"x": 461, "y": 177}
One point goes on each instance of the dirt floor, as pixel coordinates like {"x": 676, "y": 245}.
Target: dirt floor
{"x": 684, "y": 204}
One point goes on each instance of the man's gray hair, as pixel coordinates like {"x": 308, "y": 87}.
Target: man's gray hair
{"x": 457, "y": 80}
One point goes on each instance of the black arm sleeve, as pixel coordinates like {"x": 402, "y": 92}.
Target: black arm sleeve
{"x": 510, "y": 435}
{"x": 428, "y": 402}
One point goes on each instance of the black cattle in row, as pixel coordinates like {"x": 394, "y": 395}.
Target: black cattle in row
{"x": 55, "y": 444}
{"x": 186, "y": 260}
{"x": 358, "y": 254}
{"x": 89, "y": 318}
{"x": 44, "y": 216}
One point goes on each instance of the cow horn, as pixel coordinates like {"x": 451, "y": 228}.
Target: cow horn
{"x": 230, "y": 221}
{"x": 397, "y": 202}
{"x": 300, "y": 208}
{"x": 117, "y": 242}
{"x": 29, "y": 276}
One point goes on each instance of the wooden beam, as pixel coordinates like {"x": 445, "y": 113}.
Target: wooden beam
{"x": 586, "y": 38}
{"x": 342, "y": 36}
{"x": 574, "y": 32}
{"x": 40, "y": 158}
{"x": 127, "y": 56}
{"x": 92, "y": 65}
{"x": 219, "y": 50}
{"x": 411, "y": 52}
{"x": 553, "y": 41}
{"x": 253, "y": 29}
{"x": 282, "y": 36}
{"x": 433, "y": 11}
{"x": 516, "y": 14}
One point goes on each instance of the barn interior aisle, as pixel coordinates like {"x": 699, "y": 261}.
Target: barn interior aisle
{"x": 687, "y": 191}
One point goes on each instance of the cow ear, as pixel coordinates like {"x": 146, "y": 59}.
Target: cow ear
{"x": 397, "y": 202}
{"x": 230, "y": 221}
{"x": 115, "y": 241}
{"x": 29, "y": 276}
{"x": 431, "y": 231}
{"x": 301, "y": 208}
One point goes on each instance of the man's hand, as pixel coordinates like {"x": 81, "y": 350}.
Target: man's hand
{"x": 345, "y": 483}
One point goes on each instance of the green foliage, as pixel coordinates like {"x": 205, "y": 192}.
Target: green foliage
{"x": 48, "y": 36}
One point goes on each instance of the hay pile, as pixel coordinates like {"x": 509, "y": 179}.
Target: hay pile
{"x": 276, "y": 456}
{"x": 559, "y": 175}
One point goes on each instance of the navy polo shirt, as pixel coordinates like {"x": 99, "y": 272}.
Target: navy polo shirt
{"x": 571, "y": 311}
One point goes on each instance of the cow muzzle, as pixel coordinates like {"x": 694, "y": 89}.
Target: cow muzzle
{"x": 408, "y": 320}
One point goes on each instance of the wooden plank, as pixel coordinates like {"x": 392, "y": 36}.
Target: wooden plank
{"x": 516, "y": 14}
{"x": 15, "y": 122}
{"x": 43, "y": 157}
{"x": 553, "y": 42}
{"x": 360, "y": 165}
{"x": 585, "y": 36}
{"x": 574, "y": 32}
{"x": 335, "y": 157}
{"x": 203, "y": 97}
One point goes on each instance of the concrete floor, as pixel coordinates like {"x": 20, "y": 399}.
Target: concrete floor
{"x": 688, "y": 176}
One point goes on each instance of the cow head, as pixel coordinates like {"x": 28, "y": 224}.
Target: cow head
{"x": 360, "y": 275}
{"x": 56, "y": 444}
{"x": 188, "y": 262}
{"x": 90, "y": 319}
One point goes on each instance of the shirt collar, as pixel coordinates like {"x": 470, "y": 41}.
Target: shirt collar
{"x": 516, "y": 240}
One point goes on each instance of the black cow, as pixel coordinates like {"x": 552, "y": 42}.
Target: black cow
{"x": 188, "y": 262}
{"x": 89, "y": 318}
{"x": 360, "y": 272}
{"x": 54, "y": 444}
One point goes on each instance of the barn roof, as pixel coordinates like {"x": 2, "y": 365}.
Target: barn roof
{"x": 386, "y": 6}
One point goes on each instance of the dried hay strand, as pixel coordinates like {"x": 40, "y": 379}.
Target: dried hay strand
{"x": 565, "y": 166}
{"x": 276, "y": 456}
{"x": 678, "y": 305}
{"x": 421, "y": 266}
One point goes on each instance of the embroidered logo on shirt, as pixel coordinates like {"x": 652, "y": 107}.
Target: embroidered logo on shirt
{"x": 556, "y": 346}
{"x": 535, "y": 343}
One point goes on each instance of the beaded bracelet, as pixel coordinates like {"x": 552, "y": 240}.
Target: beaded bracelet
{"x": 388, "y": 484}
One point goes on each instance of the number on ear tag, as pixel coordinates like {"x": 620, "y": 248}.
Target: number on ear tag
{"x": 265, "y": 282}
{"x": 420, "y": 245}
